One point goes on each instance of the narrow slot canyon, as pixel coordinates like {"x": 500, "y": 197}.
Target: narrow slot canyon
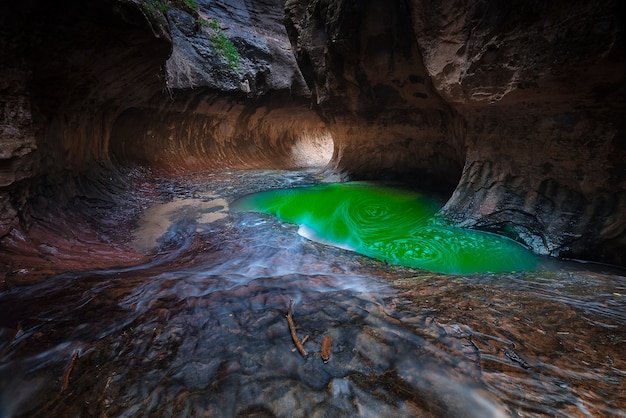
{"x": 134, "y": 282}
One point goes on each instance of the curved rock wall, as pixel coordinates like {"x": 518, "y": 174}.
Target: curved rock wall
{"x": 516, "y": 109}
{"x": 218, "y": 133}
{"x": 67, "y": 69}
{"x": 519, "y": 105}
{"x": 367, "y": 76}
{"x": 541, "y": 88}
{"x": 85, "y": 86}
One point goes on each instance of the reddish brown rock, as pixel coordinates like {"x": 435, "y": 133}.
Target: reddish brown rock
{"x": 516, "y": 110}
{"x": 368, "y": 79}
{"x": 518, "y": 107}
{"x": 96, "y": 84}
{"x": 541, "y": 88}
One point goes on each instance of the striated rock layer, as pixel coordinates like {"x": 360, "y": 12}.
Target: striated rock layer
{"x": 68, "y": 69}
{"x": 89, "y": 90}
{"x": 516, "y": 107}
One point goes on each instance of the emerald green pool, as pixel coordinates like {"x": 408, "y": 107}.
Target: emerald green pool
{"x": 389, "y": 224}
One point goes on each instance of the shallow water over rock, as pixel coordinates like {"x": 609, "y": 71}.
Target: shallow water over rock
{"x": 200, "y": 330}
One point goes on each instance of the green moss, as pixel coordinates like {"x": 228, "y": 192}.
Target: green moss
{"x": 162, "y": 5}
{"x": 156, "y": 5}
{"x": 222, "y": 44}
{"x": 192, "y": 4}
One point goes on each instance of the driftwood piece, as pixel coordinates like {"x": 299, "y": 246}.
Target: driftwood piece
{"x": 68, "y": 371}
{"x": 292, "y": 329}
{"x": 327, "y": 348}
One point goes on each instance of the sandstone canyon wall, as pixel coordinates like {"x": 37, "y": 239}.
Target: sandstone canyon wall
{"x": 517, "y": 106}
{"x": 88, "y": 89}
{"x": 209, "y": 115}
{"x": 515, "y": 110}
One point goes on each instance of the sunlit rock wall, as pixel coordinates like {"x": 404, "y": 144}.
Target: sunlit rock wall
{"x": 91, "y": 89}
{"x": 210, "y": 115}
{"x": 369, "y": 82}
{"x": 514, "y": 108}
{"x": 221, "y": 132}
{"x": 519, "y": 105}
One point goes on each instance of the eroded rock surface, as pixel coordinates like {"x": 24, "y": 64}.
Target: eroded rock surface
{"x": 516, "y": 110}
{"x": 89, "y": 88}
{"x": 213, "y": 114}
{"x": 368, "y": 78}
{"x": 519, "y": 106}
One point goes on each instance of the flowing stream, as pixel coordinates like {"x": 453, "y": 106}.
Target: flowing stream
{"x": 201, "y": 329}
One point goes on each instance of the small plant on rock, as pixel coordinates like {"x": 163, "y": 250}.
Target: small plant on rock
{"x": 223, "y": 45}
{"x": 154, "y": 5}
{"x": 192, "y": 4}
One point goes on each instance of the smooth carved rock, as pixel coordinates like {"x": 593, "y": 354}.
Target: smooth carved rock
{"x": 368, "y": 79}
{"x": 517, "y": 107}
{"x": 85, "y": 87}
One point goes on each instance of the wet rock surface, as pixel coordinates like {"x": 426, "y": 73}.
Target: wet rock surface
{"x": 200, "y": 328}
{"x": 90, "y": 87}
{"x": 518, "y": 113}
{"x": 67, "y": 69}
{"x": 108, "y": 110}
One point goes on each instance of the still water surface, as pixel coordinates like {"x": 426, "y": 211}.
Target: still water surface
{"x": 391, "y": 224}
{"x": 201, "y": 329}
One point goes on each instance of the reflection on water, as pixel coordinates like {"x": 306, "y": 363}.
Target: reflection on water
{"x": 389, "y": 224}
{"x": 201, "y": 330}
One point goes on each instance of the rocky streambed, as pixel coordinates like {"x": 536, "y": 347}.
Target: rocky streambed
{"x": 194, "y": 324}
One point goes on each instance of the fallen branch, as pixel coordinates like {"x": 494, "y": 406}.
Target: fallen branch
{"x": 292, "y": 329}
{"x": 327, "y": 348}
{"x": 68, "y": 371}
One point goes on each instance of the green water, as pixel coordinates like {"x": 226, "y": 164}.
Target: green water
{"x": 389, "y": 224}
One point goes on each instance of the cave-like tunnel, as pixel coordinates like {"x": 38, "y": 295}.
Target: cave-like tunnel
{"x": 203, "y": 205}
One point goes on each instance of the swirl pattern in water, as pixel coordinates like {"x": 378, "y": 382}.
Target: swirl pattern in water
{"x": 389, "y": 224}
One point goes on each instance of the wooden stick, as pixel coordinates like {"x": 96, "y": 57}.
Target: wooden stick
{"x": 327, "y": 348}
{"x": 68, "y": 371}
{"x": 292, "y": 330}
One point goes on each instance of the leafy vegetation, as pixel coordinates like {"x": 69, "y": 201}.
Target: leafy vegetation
{"x": 154, "y": 5}
{"x": 222, "y": 44}
{"x": 192, "y": 4}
